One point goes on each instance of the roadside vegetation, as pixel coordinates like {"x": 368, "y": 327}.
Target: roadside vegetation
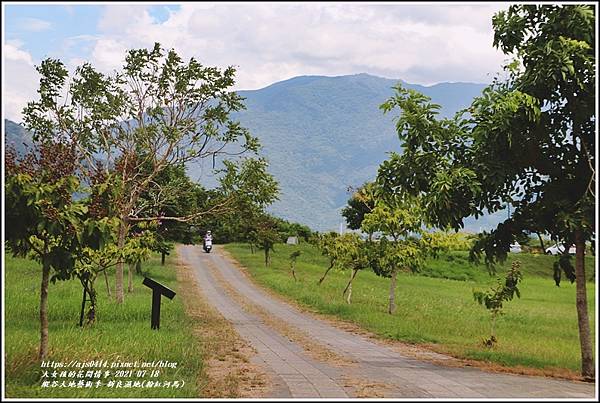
{"x": 121, "y": 334}
{"x": 538, "y": 330}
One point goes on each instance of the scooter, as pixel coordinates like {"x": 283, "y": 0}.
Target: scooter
{"x": 207, "y": 246}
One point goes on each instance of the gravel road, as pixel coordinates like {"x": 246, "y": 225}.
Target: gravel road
{"x": 369, "y": 369}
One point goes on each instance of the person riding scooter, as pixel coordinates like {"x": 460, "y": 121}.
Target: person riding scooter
{"x": 207, "y": 242}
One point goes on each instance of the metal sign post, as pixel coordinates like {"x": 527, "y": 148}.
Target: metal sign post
{"x": 157, "y": 290}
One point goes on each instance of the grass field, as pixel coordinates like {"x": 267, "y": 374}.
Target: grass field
{"x": 122, "y": 333}
{"x": 539, "y": 330}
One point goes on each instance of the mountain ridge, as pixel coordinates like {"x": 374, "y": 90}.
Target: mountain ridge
{"x": 322, "y": 134}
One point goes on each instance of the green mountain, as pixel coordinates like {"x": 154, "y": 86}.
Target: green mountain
{"x": 16, "y": 136}
{"x": 322, "y": 135}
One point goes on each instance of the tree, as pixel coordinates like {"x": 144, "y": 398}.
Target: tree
{"x": 156, "y": 112}
{"x": 293, "y": 257}
{"x": 528, "y": 141}
{"x": 171, "y": 194}
{"x": 287, "y": 229}
{"x": 360, "y": 203}
{"x": 42, "y": 220}
{"x": 249, "y": 188}
{"x": 90, "y": 265}
{"x": 493, "y": 299}
{"x": 328, "y": 245}
{"x": 137, "y": 249}
{"x": 351, "y": 254}
{"x": 399, "y": 221}
{"x": 266, "y": 236}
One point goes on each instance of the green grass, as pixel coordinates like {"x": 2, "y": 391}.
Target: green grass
{"x": 122, "y": 333}
{"x": 456, "y": 266}
{"x": 539, "y": 330}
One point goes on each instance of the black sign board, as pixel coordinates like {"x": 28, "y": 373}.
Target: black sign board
{"x": 157, "y": 290}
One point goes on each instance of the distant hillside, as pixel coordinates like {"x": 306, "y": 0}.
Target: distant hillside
{"x": 321, "y": 135}
{"x": 16, "y": 136}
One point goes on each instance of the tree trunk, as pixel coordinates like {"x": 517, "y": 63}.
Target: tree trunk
{"x": 130, "y": 269}
{"x": 138, "y": 267}
{"x": 162, "y": 259}
{"x": 349, "y": 296}
{"x": 587, "y": 358}
{"x": 325, "y": 274}
{"x": 91, "y": 314}
{"x": 349, "y": 285}
{"x": 106, "y": 281}
{"x": 294, "y": 272}
{"x": 44, "y": 310}
{"x": 392, "y": 306}
{"x": 88, "y": 286}
{"x": 119, "y": 295}
{"x": 541, "y": 242}
{"x": 266, "y": 256}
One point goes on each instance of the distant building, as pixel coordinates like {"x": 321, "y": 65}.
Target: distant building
{"x": 293, "y": 240}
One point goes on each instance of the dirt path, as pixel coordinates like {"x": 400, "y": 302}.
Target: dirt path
{"x": 367, "y": 369}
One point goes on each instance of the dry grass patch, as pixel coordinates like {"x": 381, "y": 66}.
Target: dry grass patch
{"x": 366, "y": 389}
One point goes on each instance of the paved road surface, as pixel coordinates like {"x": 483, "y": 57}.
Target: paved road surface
{"x": 295, "y": 374}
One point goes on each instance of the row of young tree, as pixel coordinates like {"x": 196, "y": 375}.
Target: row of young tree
{"x": 104, "y": 183}
{"x": 528, "y": 142}
{"x": 398, "y": 239}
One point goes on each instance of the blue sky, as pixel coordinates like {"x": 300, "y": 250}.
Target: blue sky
{"x": 267, "y": 42}
{"x": 44, "y": 30}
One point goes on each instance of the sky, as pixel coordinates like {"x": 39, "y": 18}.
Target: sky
{"x": 267, "y": 42}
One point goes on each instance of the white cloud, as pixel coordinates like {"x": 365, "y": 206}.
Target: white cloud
{"x": 108, "y": 54}
{"x": 13, "y": 53}
{"x": 35, "y": 24}
{"x": 275, "y": 41}
{"x": 270, "y": 42}
{"x": 20, "y": 81}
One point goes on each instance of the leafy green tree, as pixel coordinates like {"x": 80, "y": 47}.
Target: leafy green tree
{"x": 287, "y": 229}
{"x": 436, "y": 242}
{"x": 328, "y": 245}
{"x": 351, "y": 255}
{"x": 494, "y": 299}
{"x": 266, "y": 236}
{"x": 157, "y": 111}
{"x": 360, "y": 203}
{"x": 293, "y": 257}
{"x": 89, "y": 266}
{"x": 399, "y": 221}
{"x": 528, "y": 141}
{"x": 41, "y": 219}
{"x": 248, "y": 184}
{"x": 171, "y": 194}
{"x": 247, "y": 189}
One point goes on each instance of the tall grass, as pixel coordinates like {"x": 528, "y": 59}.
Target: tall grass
{"x": 122, "y": 333}
{"x": 539, "y": 330}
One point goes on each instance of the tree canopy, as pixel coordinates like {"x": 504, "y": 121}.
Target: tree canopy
{"x": 527, "y": 142}
{"x": 157, "y": 112}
